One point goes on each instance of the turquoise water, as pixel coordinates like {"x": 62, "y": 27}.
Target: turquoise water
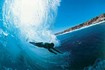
{"x": 82, "y": 50}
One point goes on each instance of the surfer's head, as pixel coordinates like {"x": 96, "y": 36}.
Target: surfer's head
{"x": 52, "y": 44}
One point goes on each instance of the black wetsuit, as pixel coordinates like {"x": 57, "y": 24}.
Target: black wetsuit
{"x": 49, "y": 46}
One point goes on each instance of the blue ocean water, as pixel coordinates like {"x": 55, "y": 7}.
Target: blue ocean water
{"x": 87, "y": 48}
{"x": 82, "y": 49}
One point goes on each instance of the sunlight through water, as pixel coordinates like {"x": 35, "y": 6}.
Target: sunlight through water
{"x": 31, "y": 19}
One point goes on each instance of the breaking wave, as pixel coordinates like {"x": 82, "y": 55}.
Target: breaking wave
{"x": 30, "y": 20}
{"x": 24, "y": 21}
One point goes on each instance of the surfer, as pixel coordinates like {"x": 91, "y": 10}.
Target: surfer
{"x": 49, "y": 46}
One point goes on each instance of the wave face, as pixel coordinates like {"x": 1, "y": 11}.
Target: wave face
{"x": 24, "y": 21}
{"x": 30, "y": 19}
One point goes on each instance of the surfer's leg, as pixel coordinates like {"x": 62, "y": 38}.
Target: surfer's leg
{"x": 56, "y": 50}
{"x": 52, "y": 51}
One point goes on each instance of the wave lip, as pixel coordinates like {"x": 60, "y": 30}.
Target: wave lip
{"x": 31, "y": 19}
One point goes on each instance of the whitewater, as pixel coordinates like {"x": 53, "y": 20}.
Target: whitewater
{"x": 31, "y": 20}
{"x": 24, "y": 21}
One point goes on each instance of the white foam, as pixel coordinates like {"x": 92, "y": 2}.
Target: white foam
{"x": 31, "y": 18}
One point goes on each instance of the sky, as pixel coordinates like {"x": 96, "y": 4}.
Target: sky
{"x": 73, "y": 12}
